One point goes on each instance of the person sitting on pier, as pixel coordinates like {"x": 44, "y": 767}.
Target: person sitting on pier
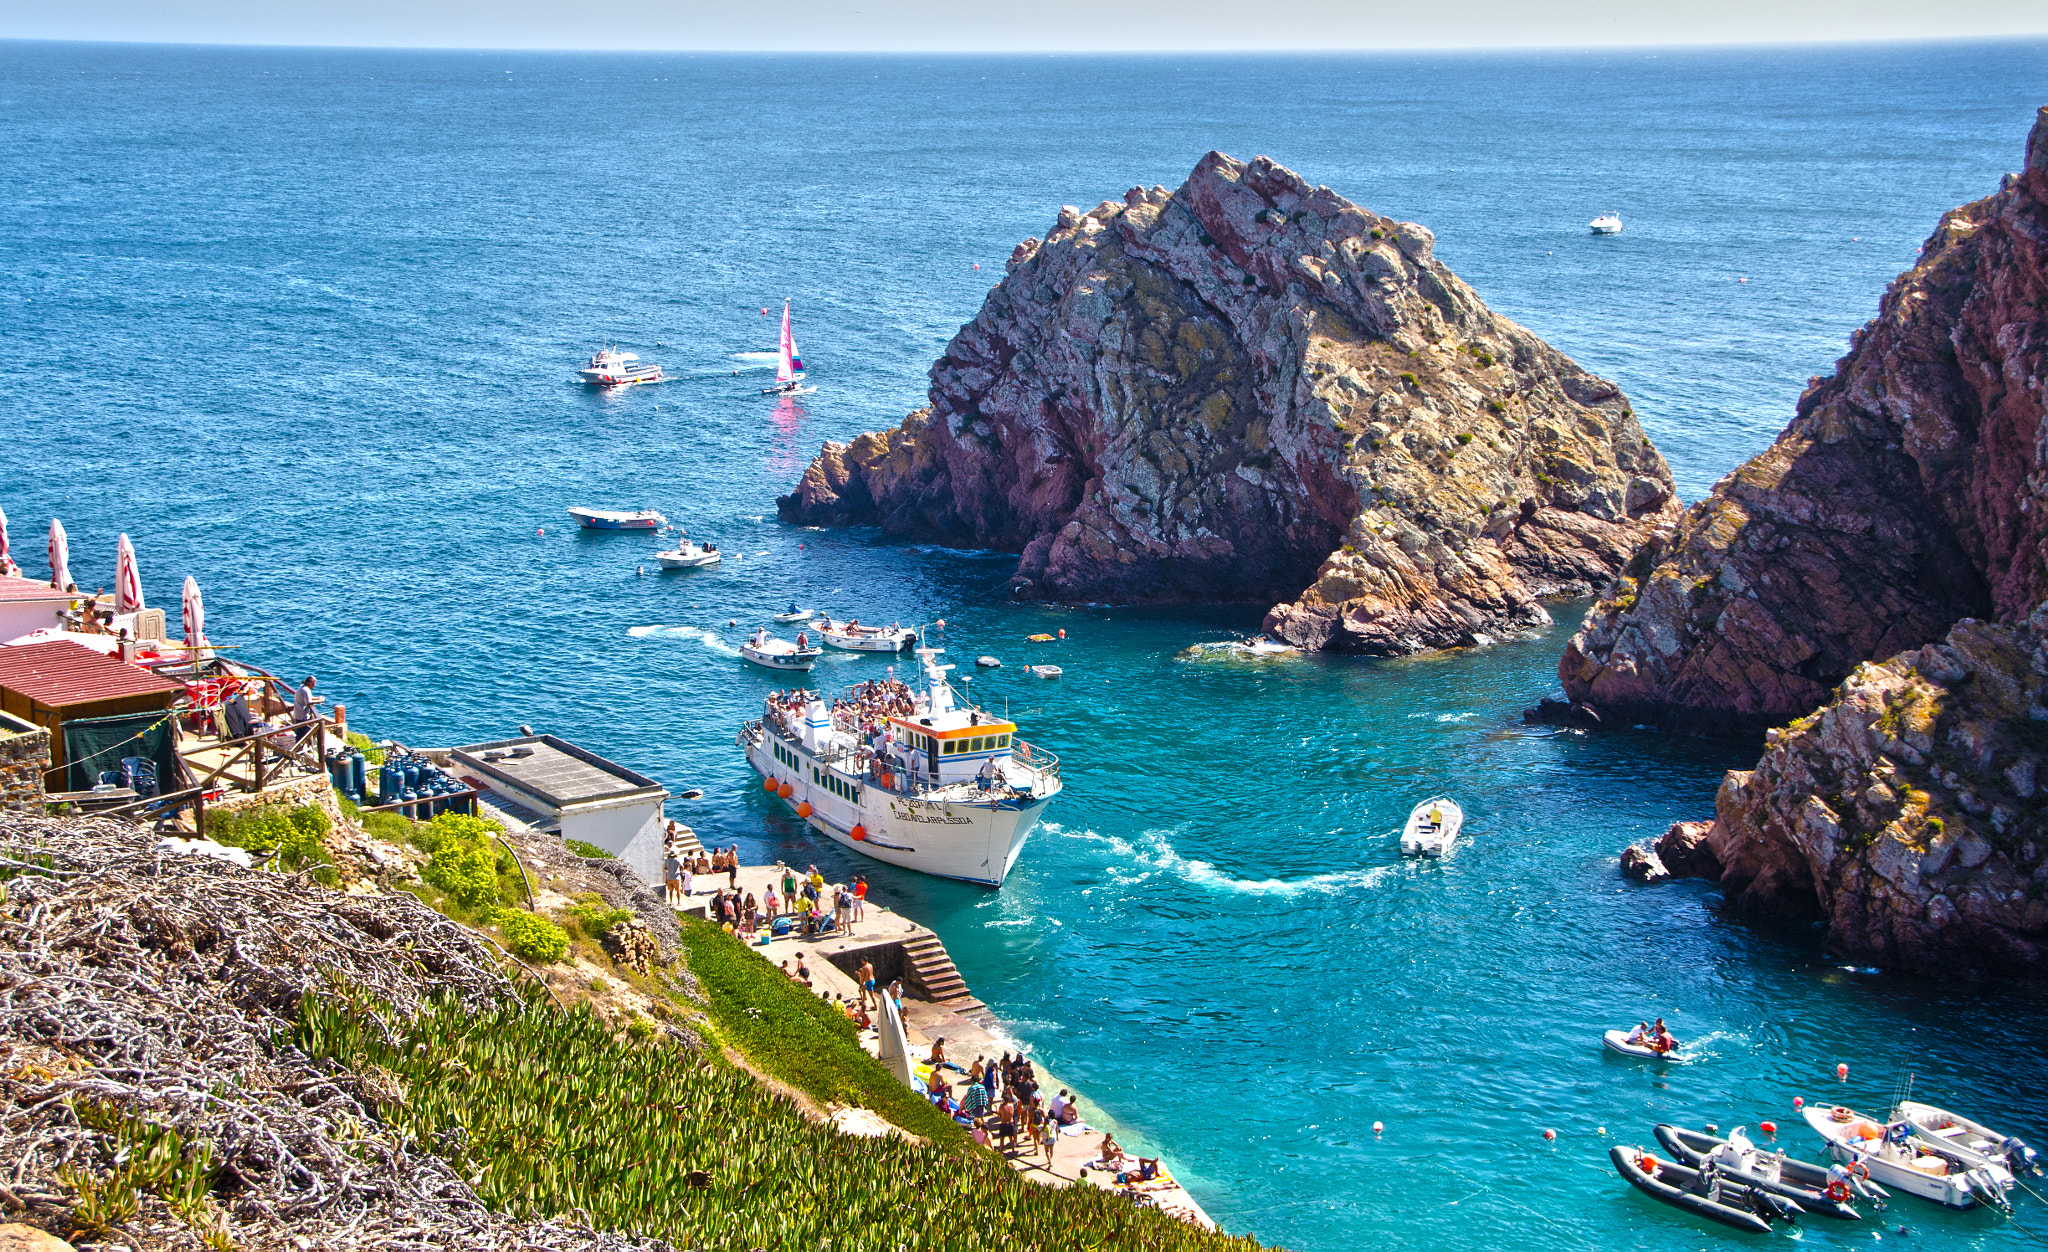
{"x": 937, "y": 1060}
{"x": 1110, "y": 1154}
{"x": 803, "y": 972}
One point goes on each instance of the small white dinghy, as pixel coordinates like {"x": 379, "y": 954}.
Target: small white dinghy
{"x": 1044, "y": 671}
{"x": 988, "y": 662}
{"x": 1971, "y": 1140}
{"x": 687, "y": 555}
{"x": 793, "y": 613}
{"x": 1618, "y": 1041}
{"x": 779, "y": 653}
{"x": 1432, "y": 827}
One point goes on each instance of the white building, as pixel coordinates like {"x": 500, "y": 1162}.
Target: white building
{"x": 582, "y": 795}
{"x": 27, "y": 606}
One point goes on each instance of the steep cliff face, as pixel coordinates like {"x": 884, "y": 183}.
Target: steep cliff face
{"x": 1247, "y": 387}
{"x": 1908, "y": 493}
{"x": 1911, "y": 811}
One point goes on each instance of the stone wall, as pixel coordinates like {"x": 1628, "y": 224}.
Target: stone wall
{"x": 24, "y": 756}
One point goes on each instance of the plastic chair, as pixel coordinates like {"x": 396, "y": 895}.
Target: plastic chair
{"x": 139, "y": 774}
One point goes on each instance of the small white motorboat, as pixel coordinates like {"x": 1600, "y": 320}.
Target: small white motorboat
{"x": 1896, "y": 1156}
{"x": 1044, "y": 671}
{"x": 988, "y": 662}
{"x": 618, "y": 519}
{"x": 1618, "y": 1041}
{"x": 613, "y": 368}
{"x": 779, "y": 653}
{"x": 1606, "y": 224}
{"x": 687, "y": 555}
{"x": 1432, "y": 827}
{"x": 793, "y": 613}
{"x": 1971, "y": 1140}
{"x": 854, "y": 637}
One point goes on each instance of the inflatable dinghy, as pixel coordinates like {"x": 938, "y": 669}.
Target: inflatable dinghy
{"x": 1738, "y": 1158}
{"x": 1617, "y": 1041}
{"x": 1712, "y": 1195}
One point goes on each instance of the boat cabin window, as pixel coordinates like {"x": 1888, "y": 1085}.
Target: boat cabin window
{"x": 1005, "y": 741}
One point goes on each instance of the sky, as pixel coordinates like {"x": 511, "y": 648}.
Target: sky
{"x": 1012, "y": 25}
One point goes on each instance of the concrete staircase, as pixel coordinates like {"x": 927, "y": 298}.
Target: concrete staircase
{"x": 930, "y": 973}
{"x": 686, "y": 841}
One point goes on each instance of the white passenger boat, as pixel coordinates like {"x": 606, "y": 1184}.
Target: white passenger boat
{"x": 773, "y": 653}
{"x": 687, "y": 555}
{"x": 1971, "y": 1140}
{"x": 1897, "y": 1156}
{"x": 1432, "y": 827}
{"x": 855, "y": 637}
{"x": 613, "y": 368}
{"x": 907, "y": 777}
{"x": 618, "y": 519}
{"x": 1606, "y": 224}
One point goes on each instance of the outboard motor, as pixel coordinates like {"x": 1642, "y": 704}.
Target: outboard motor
{"x": 2021, "y": 1159}
{"x": 1986, "y": 1189}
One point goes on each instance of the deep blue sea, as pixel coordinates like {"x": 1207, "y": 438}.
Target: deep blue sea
{"x": 302, "y": 323}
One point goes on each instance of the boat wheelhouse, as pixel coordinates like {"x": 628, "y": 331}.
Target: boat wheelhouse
{"x": 912, "y": 778}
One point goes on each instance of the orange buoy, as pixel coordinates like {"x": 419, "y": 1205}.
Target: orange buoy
{"x": 1798, "y": 1102}
{"x": 1063, "y": 633}
{"x": 977, "y": 265}
{"x": 1647, "y": 1163}
{"x": 1842, "y": 1070}
{"x": 804, "y": 809}
{"x": 768, "y": 784}
{"x": 1769, "y": 1128}
{"x": 859, "y": 833}
{"x": 785, "y": 791}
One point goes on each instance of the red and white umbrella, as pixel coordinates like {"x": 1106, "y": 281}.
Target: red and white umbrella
{"x": 7, "y": 565}
{"x": 127, "y": 579}
{"x": 195, "y": 616}
{"x": 60, "y": 557}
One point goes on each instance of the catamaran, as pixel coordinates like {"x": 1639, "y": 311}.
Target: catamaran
{"x": 789, "y": 366}
{"x": 911, "y": 778}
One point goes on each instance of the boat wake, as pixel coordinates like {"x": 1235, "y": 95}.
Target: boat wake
{"x": 770, "y": 355}
{"x": 711, "y": 642}
{"x": 1153, "y": 854}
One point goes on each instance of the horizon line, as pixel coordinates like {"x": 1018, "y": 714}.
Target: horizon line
{"x": 2040, "y": 36}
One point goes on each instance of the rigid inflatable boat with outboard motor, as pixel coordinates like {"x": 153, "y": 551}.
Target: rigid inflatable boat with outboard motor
{"x": 1706, "y": 1192}
{"x": 1820, "y": 1191}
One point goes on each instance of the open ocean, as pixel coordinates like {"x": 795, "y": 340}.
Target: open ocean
{"x": 302, "y": 323}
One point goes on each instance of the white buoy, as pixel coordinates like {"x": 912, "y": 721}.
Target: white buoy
{"x": 1377, "y": 1127}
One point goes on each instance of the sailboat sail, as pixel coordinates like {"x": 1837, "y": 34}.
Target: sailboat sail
{"x": 788, "y": 363}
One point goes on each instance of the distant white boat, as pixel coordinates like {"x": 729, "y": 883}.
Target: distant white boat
{"x": 855, "y": 637}
{"x": 613, "y": 368}
{"x": 617, "y": 519}
{"x": 687, "y": 555}
{"x": 779, "y": 653}
{"x": 1044, "y": 671}
{"x": 988, "y": 662}
{"x": 1606, "y": 224}
{"x": 792, "y": 613}
{"x": 1432, "y": 827}
{"x": 789, "y": 366}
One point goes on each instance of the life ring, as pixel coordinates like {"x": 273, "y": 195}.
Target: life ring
{"x": 1859, "y": 1169}
{"x": 1840, "y": 1115}
{"x": 1838, "y": 1191}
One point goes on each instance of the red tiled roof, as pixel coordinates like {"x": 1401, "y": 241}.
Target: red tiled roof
{"x": 61, "y": 673}
{"x": 17, "y": 589}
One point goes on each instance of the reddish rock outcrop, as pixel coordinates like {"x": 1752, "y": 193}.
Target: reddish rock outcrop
{"x": 1908, "y": 493}
{"x": 1911, "y": 811}
{"x": 1252, "y": 386}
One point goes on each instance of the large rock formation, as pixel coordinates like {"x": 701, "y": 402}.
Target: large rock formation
{"x": 1248, "y": 387}
{"x": 1907, "y": 494}
{"x": 1911, "y": 811}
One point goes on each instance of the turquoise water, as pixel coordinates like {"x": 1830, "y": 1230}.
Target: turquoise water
{"x": 301, "y": 323}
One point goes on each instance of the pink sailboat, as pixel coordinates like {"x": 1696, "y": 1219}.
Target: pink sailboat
{"x": 789, "y": 366}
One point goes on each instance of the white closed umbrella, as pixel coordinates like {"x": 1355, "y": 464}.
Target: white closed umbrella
{"x": 195, "y": 617}
{"x": 7, "y": 566}
{"x": 894, "y": 1046}
{"x": 60, "y": 557}
{"x": 127, "y": 579}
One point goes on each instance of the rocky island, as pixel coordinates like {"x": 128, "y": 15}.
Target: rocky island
{"x": 1841, "y": 579}
{"x": 1253, "y": 390}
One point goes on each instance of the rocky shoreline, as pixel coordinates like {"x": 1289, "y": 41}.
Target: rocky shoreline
{"x": 1253, "y": 390}
{"x": 1872, "y": 588}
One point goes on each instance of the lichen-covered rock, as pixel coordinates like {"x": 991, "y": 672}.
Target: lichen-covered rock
{"x": 1252, "y": 386}
{"x": 1909, "y": 811}
{"x": 1642, "y": 864}
{"x": 1908, "y": 493}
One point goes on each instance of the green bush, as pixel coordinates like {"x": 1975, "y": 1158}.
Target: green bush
{"x": 389, "y": 827}
{"x": 1464, "y": 438}
{"x": 588, "y": 851}
{"x": 592, "y": 918}
{"x": 361, "y": 743}
{"x": 533, "y": 938}
{"x": 260, "y": 830}
{"x": 468, "y": 872}
{"x": 803, "y": 1040}
{"x": 1408, "y": 378}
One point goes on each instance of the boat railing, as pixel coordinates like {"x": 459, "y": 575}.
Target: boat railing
{"x": 1037, "y": 758}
